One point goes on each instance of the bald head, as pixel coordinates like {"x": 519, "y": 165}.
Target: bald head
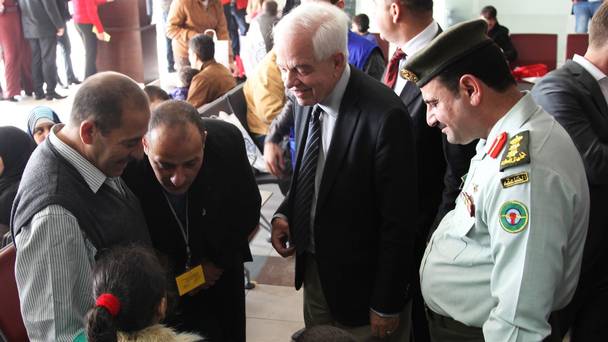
{"x": 104, "y": 97}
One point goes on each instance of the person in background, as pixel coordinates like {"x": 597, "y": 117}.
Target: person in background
{"x": 80, "y": 208}
{"x": 42, "y": 24}
{"x": 235, "y": 12}
{"x": 360, "y": 26}
{"x": 576, "y": 94}
{"x": 266, "y": 21}
{"x": 499, "y": 33}
{"x": 16, "y": 51}
{"x": 187, "y": 18}
{"x": 201, "y": 203}
{"x": 583, "y": 11}
{"x": 156, "y": 95}
{"x": 40, "y": 121}
{"x": 213, "y": 80}
{"x": 130, "y": 287}
{"x": 185, "y": 76}
{"x": 66, "y": 46}
{"x": 165, "y": 5}
{"x": 86, "y": 18}
{"x": 15, "y": 150}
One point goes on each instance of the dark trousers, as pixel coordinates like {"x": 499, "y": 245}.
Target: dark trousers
{"x": 170, "y": 59}
{"x": 586, "y": 316}
{"x": 217, "y": 313}
{"x": 44, "y": 67}
{"x": 444, "y": 329}
{"x": 90, "y": 48}
{"x": 66, "y": 48}
{"x": 235, "y": 19}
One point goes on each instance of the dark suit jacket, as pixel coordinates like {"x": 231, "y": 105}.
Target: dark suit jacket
{"x": 366, "y": 207}
{"x": 576, "y": 101}
{"x": 224, "y": 207}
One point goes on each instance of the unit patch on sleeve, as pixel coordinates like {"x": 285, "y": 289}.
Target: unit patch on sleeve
{"x": 513, "y": 216}
{"x": 516, "y": 179}
{"x": 517, "y": 152}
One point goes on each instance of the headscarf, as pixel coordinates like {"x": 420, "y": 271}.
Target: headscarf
{"x": 40, "y": 112}
{"x": 15, "y": 149}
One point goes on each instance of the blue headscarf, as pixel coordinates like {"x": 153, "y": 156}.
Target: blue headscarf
{"x": 40, "y": 112}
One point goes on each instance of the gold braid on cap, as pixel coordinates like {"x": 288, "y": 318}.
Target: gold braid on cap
{"x": 408, "y": 75}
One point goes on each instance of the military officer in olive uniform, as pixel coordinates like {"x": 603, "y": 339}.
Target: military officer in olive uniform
{"x": 509, "y": 254}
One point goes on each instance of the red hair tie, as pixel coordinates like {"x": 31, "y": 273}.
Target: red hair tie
{"x": 109, "y": 302}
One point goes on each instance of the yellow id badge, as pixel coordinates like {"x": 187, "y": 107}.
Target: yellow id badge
{"x": 190, "y": 280}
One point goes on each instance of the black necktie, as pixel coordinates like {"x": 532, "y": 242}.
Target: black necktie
{"x": 305, "y": 183}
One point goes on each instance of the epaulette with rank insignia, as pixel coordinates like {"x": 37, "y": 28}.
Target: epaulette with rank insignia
{"x": 517, "y": 152}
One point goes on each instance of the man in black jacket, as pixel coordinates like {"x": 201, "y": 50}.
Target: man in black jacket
{"x": 499, "y": 33}
{"x": 201, "y": 202}
{"x": 42, "y": 24}
{"x": 577, "y": 96}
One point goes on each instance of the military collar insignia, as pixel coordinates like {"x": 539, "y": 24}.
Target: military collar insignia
{"x": 408, "y": 75}
{"x": 497, "y": 145}
{"x": 518, "y": 151}
{"x": 513, "y": 216}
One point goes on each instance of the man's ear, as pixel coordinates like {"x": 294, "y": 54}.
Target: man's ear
{"x": 470, "y": 87}
{"x": 339, "y": 61}
{"x": 145, "y": 143}
{"x": 88, "y": 131}
{"x": 395, "y": 12}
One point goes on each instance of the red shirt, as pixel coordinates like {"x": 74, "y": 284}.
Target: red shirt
{"x": 85, "y": 12}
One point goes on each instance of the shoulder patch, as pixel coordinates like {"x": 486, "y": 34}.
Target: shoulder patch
{"x": 516, "y": 179}
{"x": 513, "y": 216}
{"x": 517, "y": 152}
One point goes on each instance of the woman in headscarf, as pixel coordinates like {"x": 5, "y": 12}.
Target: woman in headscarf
{"x": 40, "y": 121}
{"x": 15, "y": 150}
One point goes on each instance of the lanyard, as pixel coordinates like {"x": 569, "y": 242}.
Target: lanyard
{"x": 185, "y": 232}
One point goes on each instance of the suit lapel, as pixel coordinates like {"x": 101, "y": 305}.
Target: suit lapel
{"x": 589, "y": 83}
{"x": 342, "y": 136}
{"x": 409, "y": 93}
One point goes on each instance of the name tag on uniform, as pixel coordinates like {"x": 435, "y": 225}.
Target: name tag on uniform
{"x": 190, "y": 280}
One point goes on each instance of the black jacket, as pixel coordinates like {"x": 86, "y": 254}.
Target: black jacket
{"x": 500, "y": 36}
{"x": 40, "y": 18}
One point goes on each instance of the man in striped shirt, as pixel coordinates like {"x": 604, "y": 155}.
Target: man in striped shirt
{"x": 72, "y": 205}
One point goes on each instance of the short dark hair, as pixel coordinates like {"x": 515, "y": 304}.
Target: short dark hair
{"x": 362, "y": 22}
{"x": 325, "y": 333}
{"x": 104, "y": 97}
{"x": 156, "y": 93}
{"x": 598, "y": 30}
{"x": 488, "y": 64}
{"x": 270, "y": 7}
{"x": 175, "y": 113}
{"x": 134, "y": 275}
{"x": 186, "y": 74}
{"x": 489, "y": 12}
{"x": 203, "y": 46}
{"x": 417, "y": 6}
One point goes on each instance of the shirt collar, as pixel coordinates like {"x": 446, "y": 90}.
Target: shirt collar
{"x": 421, "y": 40}
{"x": 512, "y": 121}
{"x": 91, "y": 174}
{"x": 331, "y": 105}
{"x": 592, "y": 69}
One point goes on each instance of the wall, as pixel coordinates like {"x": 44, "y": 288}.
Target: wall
{"x": 535, "y": 16}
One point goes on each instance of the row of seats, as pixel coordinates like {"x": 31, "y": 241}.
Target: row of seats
{"x": 535, "y": 48}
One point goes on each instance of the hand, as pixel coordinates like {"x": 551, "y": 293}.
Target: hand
{"x": 279, "y": 236}
{"x": 382, "y": 327}
{"x": 212, "y": 273}
{"x": 273, "y": 155}
{"x": 100, "y": 36}
{"x": 60, "y": 32}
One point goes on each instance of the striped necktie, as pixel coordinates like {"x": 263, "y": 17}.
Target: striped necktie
{"x": 305, "y": 183}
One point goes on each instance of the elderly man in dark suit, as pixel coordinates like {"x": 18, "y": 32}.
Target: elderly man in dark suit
{"x": 410, "y": 26}
{"x": 577, "y": 96}
{"x": 201, "y": 202}
{"x": 351, "y": 210}
{"x": 42, "y": 24}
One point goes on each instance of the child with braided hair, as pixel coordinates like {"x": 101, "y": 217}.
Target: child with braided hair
{"x": 130, "y": 287}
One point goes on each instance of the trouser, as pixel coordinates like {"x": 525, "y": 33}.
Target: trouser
{"x": 583, "y": 11}
{"x": 316, "y": 310}
{"x": 235, "y": 20}
{"x": 66, "y": 47}
{"x": 169, "y": 47}
{"x": 17, "y": 55}
{"x": 44, "y": 67}
{"x": 89, "y": 40}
